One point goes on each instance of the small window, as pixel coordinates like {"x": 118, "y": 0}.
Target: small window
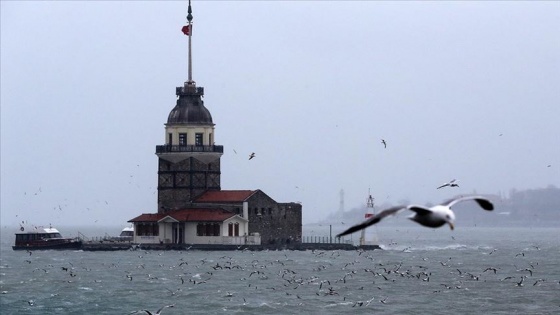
{"x": 182, "y": 139}
{"x": 170, "y": 138}
{"x": 200, "y": 229}
{"x": 198, "y": 139}
{"x": 210, "y": 140}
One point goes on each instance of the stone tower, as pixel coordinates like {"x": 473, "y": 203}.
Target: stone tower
{"x": 189, "y": 161}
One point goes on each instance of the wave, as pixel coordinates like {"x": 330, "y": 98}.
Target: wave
{"x": 409, "y": 249}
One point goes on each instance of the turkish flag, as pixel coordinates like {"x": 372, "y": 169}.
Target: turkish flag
{"x": 186, "y": 30}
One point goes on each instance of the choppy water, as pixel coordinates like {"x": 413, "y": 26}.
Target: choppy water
{"x": 421, "y": 271}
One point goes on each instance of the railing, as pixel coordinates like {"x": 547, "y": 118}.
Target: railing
{"x": 323, "y": 240}
{"x": 189, "y": 148}
{"x": 189, "y": 90}
{"x": 101, "y": 239}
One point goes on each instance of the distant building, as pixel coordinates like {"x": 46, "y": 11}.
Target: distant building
{"x": 192, "y": 208}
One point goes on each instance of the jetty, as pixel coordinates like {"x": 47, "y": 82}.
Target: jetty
{"x": 115, "y": 246}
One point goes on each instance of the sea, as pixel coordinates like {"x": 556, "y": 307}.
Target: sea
{"x": 471, "y": 270}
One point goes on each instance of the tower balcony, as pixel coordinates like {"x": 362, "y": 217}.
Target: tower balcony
{"x": 189, "y": 148}
{"x": 177, "y": 153}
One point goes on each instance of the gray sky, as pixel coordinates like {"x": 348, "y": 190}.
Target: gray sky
{"x": 465, "y": 90}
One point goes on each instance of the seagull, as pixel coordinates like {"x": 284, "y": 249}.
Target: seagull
{"x": 384, "y": 143}
{"x": 252, "y": 155}
{"x": 434, "y": 217}
{"x": 452, "y": 183}
{"x": 158, "y": 312}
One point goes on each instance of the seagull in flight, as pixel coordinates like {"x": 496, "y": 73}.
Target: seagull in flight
{"x": 158, "y": 312}
{"x": 252, "y": 155}
{"x": 452, "y": 183}
{"x": 384, "y": 143}
{"x": 433, "y": 217}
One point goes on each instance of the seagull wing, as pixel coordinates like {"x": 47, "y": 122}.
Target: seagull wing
{"x": 372, "y": 220}
{"x": 419, "y": 210}
{"x": 446, "y": 184}
{"x": 484, "y": 203}
{"x": 159, "y": 311}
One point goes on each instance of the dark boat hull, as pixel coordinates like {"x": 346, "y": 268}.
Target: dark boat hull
{"x": 49, "y": 245}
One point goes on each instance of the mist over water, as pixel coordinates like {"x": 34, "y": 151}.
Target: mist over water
{"x": 460, "y": 90}
{"x": 419, "y": 271}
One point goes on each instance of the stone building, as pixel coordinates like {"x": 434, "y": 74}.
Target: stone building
{"x": 192, "y": 207}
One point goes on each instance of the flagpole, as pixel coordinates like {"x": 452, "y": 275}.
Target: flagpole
{"x": 189, "y": 18}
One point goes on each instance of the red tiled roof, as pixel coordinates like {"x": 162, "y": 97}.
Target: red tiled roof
{"x": 148, "y": 217}
{"x": 187, "y": 215}
{"x": 190, "y": 215}
{"x": 225, "y": 196}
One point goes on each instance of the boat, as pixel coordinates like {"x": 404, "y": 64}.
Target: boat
{"x": 127, "y": 234}
{"x": 44, "y": 238}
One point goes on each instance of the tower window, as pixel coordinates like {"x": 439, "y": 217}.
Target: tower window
{"x": 198, "y": 139}
{"x": 170, "y": 138}
{"x": 210, "y": 140}
{"x": 182, "y": 139}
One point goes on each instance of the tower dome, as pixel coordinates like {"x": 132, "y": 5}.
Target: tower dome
{"x": 190, "y": 108}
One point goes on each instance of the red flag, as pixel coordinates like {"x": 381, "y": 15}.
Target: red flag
{"x": 186, "y": 30}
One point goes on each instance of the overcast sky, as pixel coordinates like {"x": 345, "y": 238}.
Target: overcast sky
{"x": 465, "y": 90}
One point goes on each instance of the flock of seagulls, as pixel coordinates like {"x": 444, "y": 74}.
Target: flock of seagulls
{"x": 348, "y": 278}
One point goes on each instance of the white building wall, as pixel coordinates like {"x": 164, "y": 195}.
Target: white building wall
{"x": 166, "y": 234}
{"x": 163, "y": 228}
{"x": 190, "y": 131}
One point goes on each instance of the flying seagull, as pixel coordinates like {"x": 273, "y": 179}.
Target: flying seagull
{"x": 452, "y": 183}
{"x": 384, "y": 143}
{"x": 252, "y": 155}
{"x": 158, "y": 312}
{"x": 434, "y": 217}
